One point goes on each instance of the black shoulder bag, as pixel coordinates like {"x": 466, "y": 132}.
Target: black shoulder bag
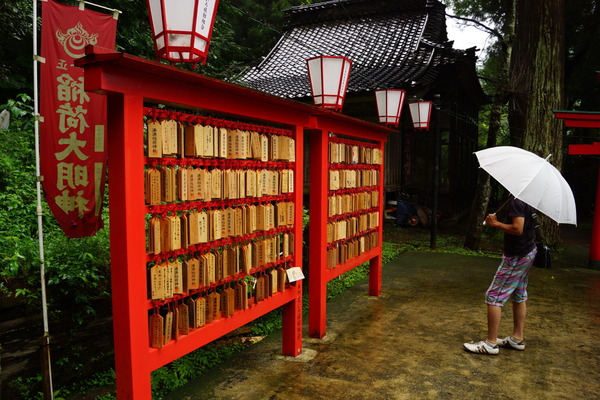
{"x": 542, "y": 258}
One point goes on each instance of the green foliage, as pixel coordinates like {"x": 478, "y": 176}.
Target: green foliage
{"x": 16, "y": 48}
{"x": 485, "y": 11}
{"x": 26, "y": 388}
{"x": 268, "y": 323}
{"x": 78, "y": 272}
{"x": 188, "y": 367}
{"x": 17, "y": 163}
{"x": 19, "y": 254}
{"x": 108, "y": 396}
{"x": 16, "y": 266}
{"x": 133, "y": 28}
{"x": 502, "y": 138}
{"x": 343, "y": 282}
{"x": 305, "y": 218}
{"x": 98, "y": 380}
{"x": 77, "y": 269}
{"x": 29, "y": 388}
{"x": 582, "y": 25}
{"x": 244, "y": 31}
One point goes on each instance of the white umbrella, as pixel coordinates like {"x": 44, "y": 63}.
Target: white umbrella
{"x": 531, "y": 179}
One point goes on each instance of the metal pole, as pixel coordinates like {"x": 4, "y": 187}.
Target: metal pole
{"x": 402, "y": 160}
{"x": 45, "y": 340}
{"x": 436, "y": 172}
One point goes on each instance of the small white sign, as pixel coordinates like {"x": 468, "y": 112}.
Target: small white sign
{"x": 294, "y": 274}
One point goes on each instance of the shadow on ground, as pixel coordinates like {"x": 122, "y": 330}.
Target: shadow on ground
{"x": 407, "y": 343}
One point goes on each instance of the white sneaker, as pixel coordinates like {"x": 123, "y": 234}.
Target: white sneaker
{"x": 511, "y": 343}
{"x": 482, "y": 347}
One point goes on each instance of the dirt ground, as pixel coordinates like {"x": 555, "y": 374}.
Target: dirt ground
{"x": 407, "y": 343}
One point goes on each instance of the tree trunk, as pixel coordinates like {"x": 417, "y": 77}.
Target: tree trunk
{"x": 482, "y": 196}
{"x": 537, "y": 86}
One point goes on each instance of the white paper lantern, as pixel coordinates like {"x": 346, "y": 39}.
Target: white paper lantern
{"x": 420, "y": 112}
{"x": 181, "y": 29}
{"x": 329, "y": 77}
{"x": 389, "y": 105}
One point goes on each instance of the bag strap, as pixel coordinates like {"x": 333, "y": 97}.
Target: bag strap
{"x": 538, "y": 234}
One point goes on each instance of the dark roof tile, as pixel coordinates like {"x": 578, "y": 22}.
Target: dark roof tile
{"x": 393, "y": 48}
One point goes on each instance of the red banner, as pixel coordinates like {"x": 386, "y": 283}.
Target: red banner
{"x": 73, "y": 130}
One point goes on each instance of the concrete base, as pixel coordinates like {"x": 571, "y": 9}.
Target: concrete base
{"x": 328, "y": 338}
{"x": 306, "y": 356}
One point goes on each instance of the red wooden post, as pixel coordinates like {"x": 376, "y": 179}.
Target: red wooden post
{"x": 128, "y": 246}
{"x": 317, "y": 314}
{"x": 587, "y": 119}
{"x": 591, "y": 149}
{"x": 376, "y": 264}
{"x": 292, "y": 311}
{"x": 594, "y": 259}
{"x": 292, "y": 324}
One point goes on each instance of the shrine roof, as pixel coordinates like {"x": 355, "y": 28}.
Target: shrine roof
{"x": 393, "y": 44}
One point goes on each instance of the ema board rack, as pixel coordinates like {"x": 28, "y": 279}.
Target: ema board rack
{"x": 219, "y": 220}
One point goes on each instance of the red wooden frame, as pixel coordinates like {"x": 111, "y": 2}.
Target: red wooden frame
{"x": 130, "y": 83}
{"x": 319, "y": 273}
{"x": 579, "y": 119}
{"x": 587, "y": 119}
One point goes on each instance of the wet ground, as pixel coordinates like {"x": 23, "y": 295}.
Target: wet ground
{"x": 407, "y": 343}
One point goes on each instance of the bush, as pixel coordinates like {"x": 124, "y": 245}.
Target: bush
{"x": 19, "y": 260}
{"x": 77, "y": 269}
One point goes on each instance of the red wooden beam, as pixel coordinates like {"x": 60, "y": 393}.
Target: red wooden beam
{"x": 585, "y": 149}
{"x": 351, "y": 264}
{"x": 579, "y": 119}
{"x": 587, "y": 119}
{"x": 175, "y": 349}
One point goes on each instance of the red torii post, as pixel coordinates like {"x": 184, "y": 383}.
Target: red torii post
{"x": 587, "y": 119}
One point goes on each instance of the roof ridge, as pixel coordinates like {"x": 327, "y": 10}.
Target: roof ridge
{"x": 332, "y": 10}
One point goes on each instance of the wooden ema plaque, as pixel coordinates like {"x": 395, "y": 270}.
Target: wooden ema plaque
{"x": 219, "y": 215}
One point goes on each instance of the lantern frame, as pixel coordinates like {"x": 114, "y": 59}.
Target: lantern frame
{"x": 420, "y": 112}
{"x": 328, "y": 77}
{"x": 389, "y": 105}
{"x": 182, "y": 29}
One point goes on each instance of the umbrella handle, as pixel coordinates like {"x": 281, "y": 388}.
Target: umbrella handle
{"x": 485, "y": 223}
{"x": 498, "y": 210}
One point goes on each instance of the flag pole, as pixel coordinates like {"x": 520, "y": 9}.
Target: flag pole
{"x": 45, "y": 339}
